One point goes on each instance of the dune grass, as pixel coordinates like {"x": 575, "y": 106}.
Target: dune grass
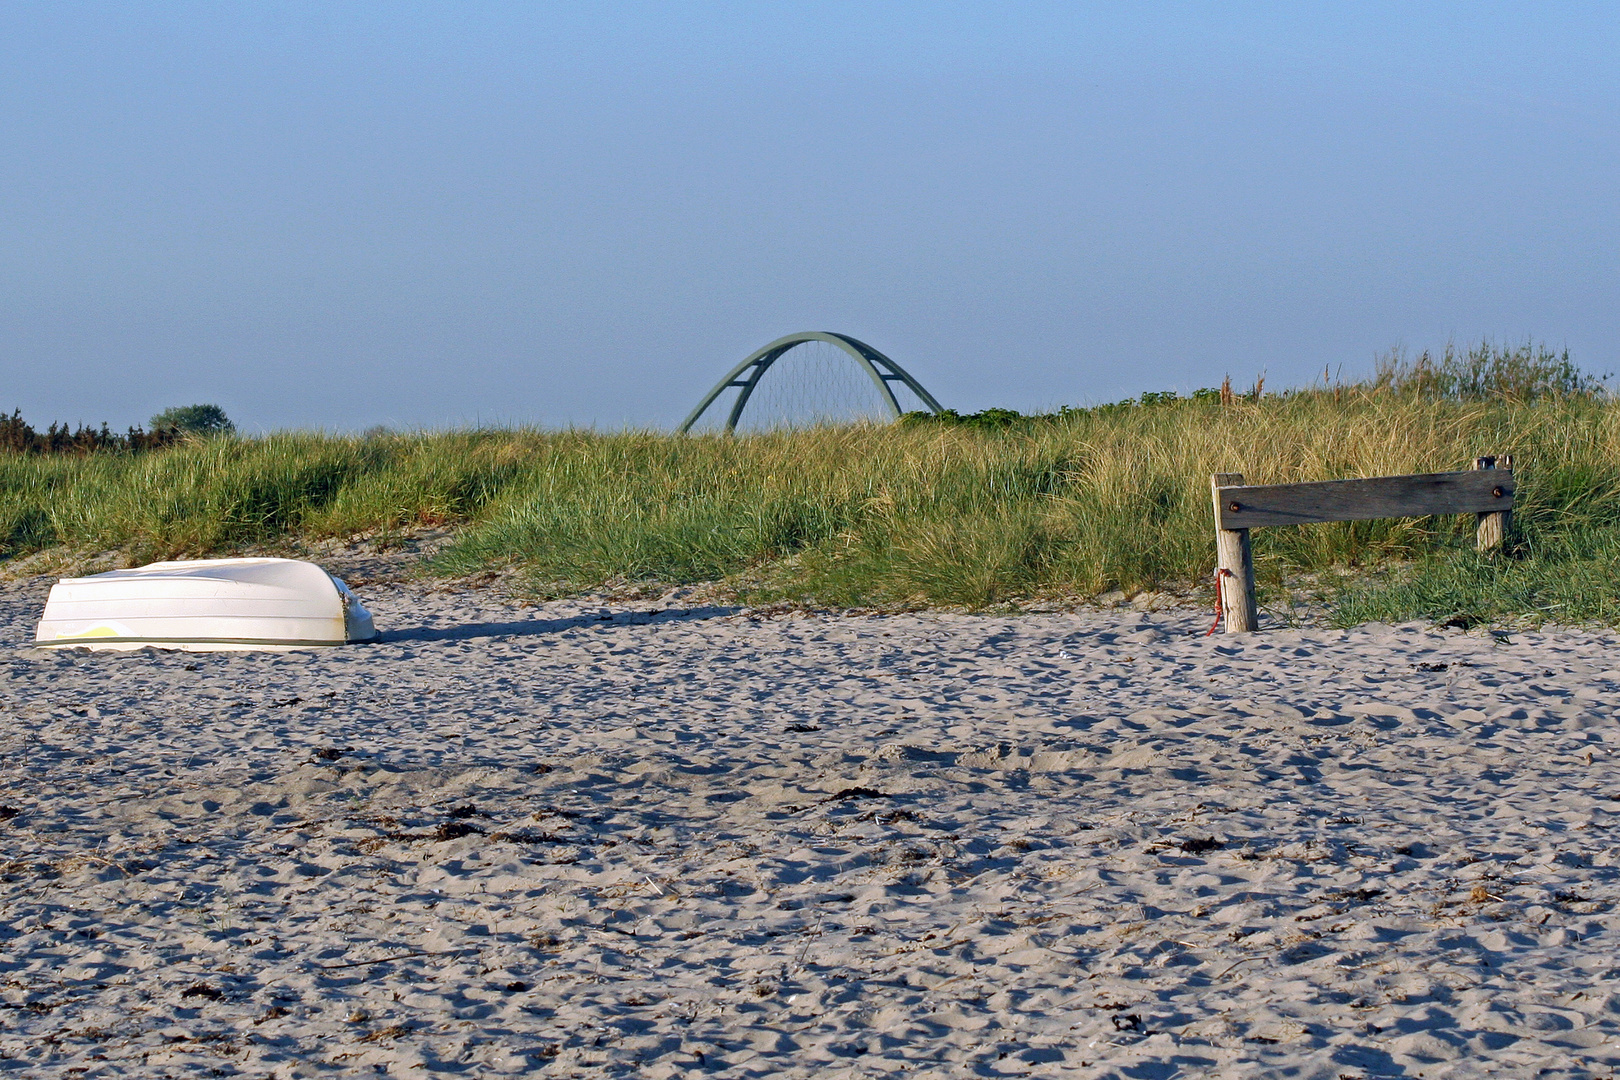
{"x": 903, "y": 515}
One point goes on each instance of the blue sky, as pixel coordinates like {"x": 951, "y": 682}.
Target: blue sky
{"x": 341, "y": 215}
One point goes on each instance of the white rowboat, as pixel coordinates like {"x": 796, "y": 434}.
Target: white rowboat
{"x": 205, "y": 605}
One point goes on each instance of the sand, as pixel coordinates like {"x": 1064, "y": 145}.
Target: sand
{"x": 568, "y": 840}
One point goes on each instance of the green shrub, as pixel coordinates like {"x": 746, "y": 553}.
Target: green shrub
{"x": 194, "y": 420}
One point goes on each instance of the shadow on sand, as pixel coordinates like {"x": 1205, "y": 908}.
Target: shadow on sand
{"x": 549, "y": 627}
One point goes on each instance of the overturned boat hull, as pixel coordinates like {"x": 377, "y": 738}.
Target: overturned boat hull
{"x": 205, "y": 605}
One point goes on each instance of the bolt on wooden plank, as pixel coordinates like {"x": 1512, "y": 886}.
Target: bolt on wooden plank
{"x": 1486, "y": 490}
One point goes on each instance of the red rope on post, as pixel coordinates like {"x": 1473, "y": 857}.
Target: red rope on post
{"x": 1220, "y": 610}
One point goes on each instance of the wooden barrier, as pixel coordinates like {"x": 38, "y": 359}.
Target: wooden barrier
{"x": 1486, "y": 490}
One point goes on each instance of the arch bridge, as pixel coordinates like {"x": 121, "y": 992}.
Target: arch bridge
{"x": 746, "y": 375}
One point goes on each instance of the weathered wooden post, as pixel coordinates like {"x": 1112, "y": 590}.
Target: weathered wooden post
{"x": 1493, "y": 525}
{"x": 1234, "y": 566}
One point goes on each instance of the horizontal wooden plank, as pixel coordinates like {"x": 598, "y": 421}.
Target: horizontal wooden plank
{"x": 1477, "y": 491}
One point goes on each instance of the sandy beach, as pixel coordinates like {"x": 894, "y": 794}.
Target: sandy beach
{"x": 649, "y": 840}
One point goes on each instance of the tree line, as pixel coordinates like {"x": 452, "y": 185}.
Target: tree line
{"x": 168, "y": 427}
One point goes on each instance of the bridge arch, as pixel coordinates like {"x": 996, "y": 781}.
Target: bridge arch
{"x": 746, "y": 375}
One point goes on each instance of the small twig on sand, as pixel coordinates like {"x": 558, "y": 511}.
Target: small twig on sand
{"x": 387, "y": 959}
{"x": 1245, "y": 960}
